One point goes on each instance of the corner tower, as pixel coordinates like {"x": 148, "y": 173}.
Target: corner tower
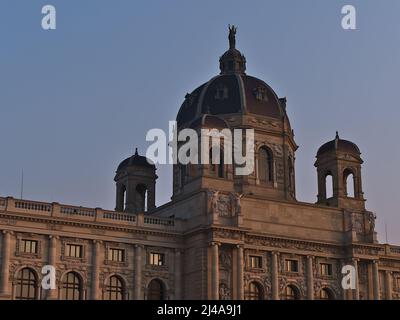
{"x": 135, "y": 184}
{"x": 339, "y": 167}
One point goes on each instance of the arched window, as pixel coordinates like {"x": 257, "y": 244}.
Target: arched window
{"x": 265, "y": 165}
{"x": 291, "y": 293}
{"x": 121, "y": 197}
{"x": 141, "y": 196}
{"x": 72, "y": 287}
{"x": 326, "y": 294}
{"x": 329, "y": 185}
{"x": 115, "y": 289}
{"x": 155, "y": 290}
{"x": 217, "y": 162}
{"x": 348, "y": 178}
{"x": 26, "y": 285}
{"x": 255, "y": 291}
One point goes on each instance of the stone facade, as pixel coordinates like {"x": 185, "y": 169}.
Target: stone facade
{"x": 221, "y": 236}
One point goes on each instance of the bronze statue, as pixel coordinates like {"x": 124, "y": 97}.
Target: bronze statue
{"x": 232, "y": 36}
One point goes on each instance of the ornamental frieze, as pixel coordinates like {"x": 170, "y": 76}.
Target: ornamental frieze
{"x": 290, "y": 244}
{"x": 390, "y": 264}
{"x": 54, "y": 226}
{"x": 227, "y": 234}
{"x": 10, "y": 222}
{"x": 372, "y": 251}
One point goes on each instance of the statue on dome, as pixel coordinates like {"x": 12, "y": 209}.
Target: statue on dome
{"x": 232, "y": 36}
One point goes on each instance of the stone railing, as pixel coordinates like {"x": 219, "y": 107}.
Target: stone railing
{"x": 395, "y": 249}
{"x": 79, "y": 211}
{"x": 95, "y": 215}
{"x": 159, "y": 221}
{"x": 32, "y": 205}
{"x": 119, "y": 216}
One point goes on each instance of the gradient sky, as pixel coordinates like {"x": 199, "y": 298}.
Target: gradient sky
{"x": 76, "y": 101}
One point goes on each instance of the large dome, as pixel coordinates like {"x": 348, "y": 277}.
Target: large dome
{"x": 231, "y": 92}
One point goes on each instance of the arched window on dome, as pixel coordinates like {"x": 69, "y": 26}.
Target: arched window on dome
{"x": 120, "y": 202}
{"x": 141, "y": 196}
{"x": 221, "y": 92}
{"x": 122, "y": 198}
{"x": 329, "y": 185}
{"x": 265, "y": 165}
{"x": 217, "y": 164}
{"x": 348, "y": 179}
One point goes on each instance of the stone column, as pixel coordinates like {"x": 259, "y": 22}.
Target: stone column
{"x": 52, "y": 293}
{"x": 5, "y": 263}
{"x": 95, "y": 270}
{"x": 375, "y": 277}
{"x": 178, "y": 275}
{"x": 240, "y": 260}
{"x": 357, "y": 291}
{"x": 310, "y": 278}
{"x": 138, "y": 272}
{"x": 214, "y": 271}
{"x": 388, "y": 285}
{"x": 275, "y": 278}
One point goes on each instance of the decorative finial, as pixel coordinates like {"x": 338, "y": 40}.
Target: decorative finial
{"x": 336, "y": 139}
{"x": 232, "y": 36}
{"x": 136, "y": 152}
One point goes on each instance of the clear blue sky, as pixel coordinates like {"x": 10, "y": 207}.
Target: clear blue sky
{"x": 76, "y": 101}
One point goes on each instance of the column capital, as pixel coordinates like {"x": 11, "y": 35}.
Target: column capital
{"x": 51, "y": 236}
{"x": 310, "y": 257}
{"x": 178, "y": 250}
{"x": 96, "y": 241}
{"x": 375, "y": 261}
{"x": 275, "y": 253}
{"x": 138, "y": 245}
{"x": 214, "y": 243}
{"x": 8, "y": 232}
{"x": 239, "y": 246}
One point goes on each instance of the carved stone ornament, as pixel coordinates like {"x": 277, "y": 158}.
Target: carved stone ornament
{"x": 224, "y": 292}
{"x": 225, "y": 260}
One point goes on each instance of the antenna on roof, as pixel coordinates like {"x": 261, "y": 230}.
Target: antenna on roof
{"x": 22, "y": 183}
{"x": 386, "y": 233}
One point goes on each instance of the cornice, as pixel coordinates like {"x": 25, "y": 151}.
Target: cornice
{"x": 91, "y": 225}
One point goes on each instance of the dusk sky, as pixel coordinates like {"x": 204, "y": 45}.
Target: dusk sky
{"x": 77, "y": 100}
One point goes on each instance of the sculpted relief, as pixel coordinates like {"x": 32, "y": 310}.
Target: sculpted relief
{"x": 224, "y": 205}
